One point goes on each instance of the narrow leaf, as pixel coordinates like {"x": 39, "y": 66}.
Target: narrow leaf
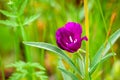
{"x": 8, "y": 14}
{"x": 55, "y": 50}
{"x": 92, "y": 69}
{"x": 9, "y": 23}
{"x": 81, "y": 66}
{"x": 104, "y": 49}
{"x": 65, "y": 76}
{"x": 70, "y": 74}
{"x": 31, "y": 19}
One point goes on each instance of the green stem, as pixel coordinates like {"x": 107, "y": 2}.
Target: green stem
{"x": 42, "y": 53}
{"x": 102, "y": 15}
{"x": 27, "y": 53}
{"x": 16, "y": 44}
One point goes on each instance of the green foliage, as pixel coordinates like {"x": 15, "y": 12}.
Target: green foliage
{"x": 68, "y": 73}
{"x": 80, "y": 59}
{"x": 31, "y": 19}
{"x": 9, "y": 23}
{"x": 81, "y": 64}
{"x": 22, "y": 7}
{"x": 53, "y": 14}
{"x": 64, "y": 75}
{"x": 105, "y": 48}
{"x": 16, "y": 14}
{"x": 8, "y": 14}
{"x": 22, "y": 71}
{"x": 55, "y": 50}
{"x": 106, "y": 57}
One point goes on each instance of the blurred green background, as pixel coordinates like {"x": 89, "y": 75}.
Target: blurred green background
{"x": 104, "y": 17}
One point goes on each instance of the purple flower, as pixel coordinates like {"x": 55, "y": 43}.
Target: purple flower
{"x": 69, "y": 37}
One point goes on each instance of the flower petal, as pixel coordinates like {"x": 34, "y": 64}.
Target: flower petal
{"x": 74, "y": 27}
{"x": 62, "y": 36}
{"x": 84, "y": 38}
{"x": 74, "y": 46}
{"x": 69, "y": 37}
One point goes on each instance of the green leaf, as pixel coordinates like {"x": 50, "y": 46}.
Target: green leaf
{"x": 31, "y": 19}
{"x": 81, "y": 64}
{"x": 9, "y": 23}
{"x": 104, "y": 49}
{"x": 16, "y": 76}
{"x": 92, "y": 69}
{"x": 8, "y": 14}
{"x": 69, "y": 73}
{"x": 40, "y": 73}
{"x": 22, "y": 70}
{"x": 55, "y": 50}
{"x": 22, "y": 7}
{"x": 65, "y": 76}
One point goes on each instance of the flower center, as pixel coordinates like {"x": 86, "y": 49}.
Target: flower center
{"x": 71, "y": 40}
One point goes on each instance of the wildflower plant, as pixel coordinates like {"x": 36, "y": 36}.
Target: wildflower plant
{"x": 77, "y": 64}
{"x": 69, "y": 41}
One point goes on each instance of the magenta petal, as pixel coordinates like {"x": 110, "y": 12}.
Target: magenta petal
{"x": 74, "y": 46}
{"x": 62, "y": 36}
{"x": 74, "y": 27}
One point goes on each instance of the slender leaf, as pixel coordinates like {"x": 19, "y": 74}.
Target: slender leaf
{"x": 9, "y": 23}
{"x": 8, "y": 14}
{"x": 81, "y": 65}
{"x": 70, "y": 74}
{"x": 104, "y": 49}
{"x": 55, "y": 50}
{"x": 65, "y": 76}
{"x": 92, "y": 69}
{"x": 31, "y": 19}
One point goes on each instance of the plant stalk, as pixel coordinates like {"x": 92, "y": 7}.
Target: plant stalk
{"x": 16, "y": 44}
{"x": 87, "y": 42}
